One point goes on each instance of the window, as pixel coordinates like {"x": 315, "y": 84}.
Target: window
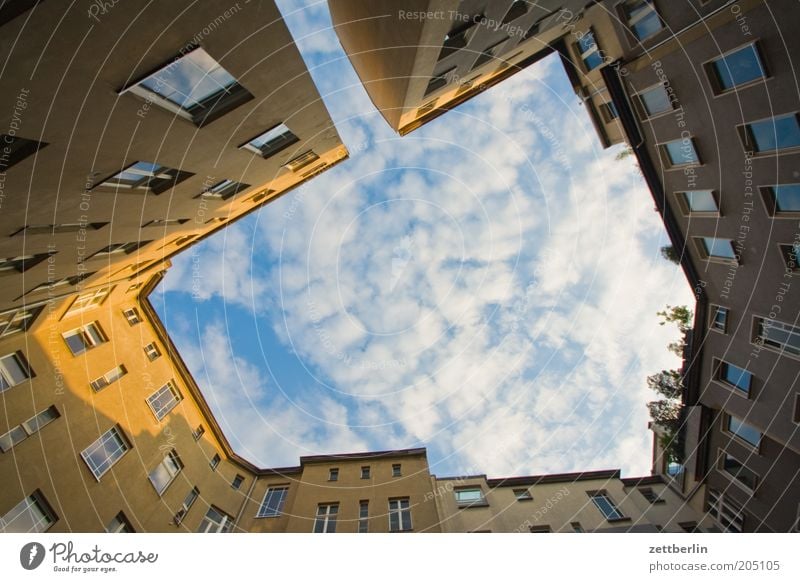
{"x": 588, "y": 51}
{"x": 84, "y": 338}
{"x": 791, "y": 257}
{"x": 53, "y": 229}
{"x": 609, "y": 111}
{"x": 734, "y": 377}
{"x": 719, "y": 249}
{"x": 164, "y": 222}
{"x": 301, "y": 161}
{"x": 214, "y": 462}
{"x": 363, "y": 517}
{"x": 237, "y": 482}
{"x": 274, "y": 500}
{"x": 89, "y": 300}
{"x": 777, "y": 336}
{"x": 650, "y": 495}
{"x": 689, "y": 526}
{"x": 164, "y": 399}
{"x": 399, "y": 514}
{"x": 518, "y": 8}
{"x": 194, "y": 87}
{"x": 540, "y": 529}
{"x": 119, "y": 524}
{"x": 272, "y": 141}
{"x": 719, "y": 318}
{"x": 132, "y": 315}
{"x": 365, "y": 472}
{"x": 796, "y": 417}
{"x": 145, "y": 176}
{"x": 727, "y": 513}
{"x": 215, "y": 521}
{"x": 489, "y": 53}
{"x": 65, "y": 282}
{"x": 325, "y": 521}
{"x": 740, "y": 67}
{"x": 577, "y": 527}
{"x": 13, "y": 370}
{"x": 21, "y": 263}
{"x": 31, "y": 515}
{"x": 188, "y": 501}
{"x": 182, "y": 240}
{"x": 224, "y": 190}
{"x": 737, "y": 470}
{"x": 698, "y": 202}
{"x": 165, "y": 472}
{"x": 17, "y": 320}
{"x": 134, "y": 287}
{"x": 16, "y": 149}
{"x": 643, "y": 20}
{"x": 679, "y": 152}
{"x": 101, "y": 455}
{"x": 396, "y": 470}
{"x": 606, "y": 506}
{"x": 333, "y": 475}
{"x": 28, "y": 428}
{"x": 772, "y": 135}
{"x": 109, "y": 377}
{"x": 523, "y": 495}
{"x": 120, "y": 248}
{"x": 468, "y": 496}
{"x": 152, "y": 352}
{"x": 198, "y": 432}
{"x": 457, "y": 37}
{"x": 439, "y": 80}
{"x": 748, "y": 433}
{"x": 782, "y": 199}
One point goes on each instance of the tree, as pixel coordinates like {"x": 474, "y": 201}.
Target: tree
{"x": 680, "y": 314}
{"x": 667, "y": 383}
{"x": 665, "y": 412}
{"x": 624, "y": 154}
{"x": 669, "y": 253}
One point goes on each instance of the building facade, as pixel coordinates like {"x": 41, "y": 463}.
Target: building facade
{"x": 704, "y": 94}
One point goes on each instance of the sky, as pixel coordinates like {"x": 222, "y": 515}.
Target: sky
{"x": 485, "y": 287}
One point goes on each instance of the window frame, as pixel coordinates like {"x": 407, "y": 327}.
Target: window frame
{"x": 402, "y": 514}
{"x": 88, "y": 339}
{"x": 7, "y": 378}
{"x": 35, "y": 500}
{"x": 583, "y": 55}
{"x": 333, "y": 474}
{"x": 630, "y": 23}
{"x": 712, "y": 319}
{"x": 26, "y": 429}
{"x": 397, "y": 470}
{"x": 722, "y": 457}
{"x": 791, "y": 264}
{"x": 264, "y": 510}
{"x": 325, "y": 521}
{"x": 218, "y": 104}
{"x": 124, "y": 524}
{"x": 684, "y": 204}
{"x": 746, "y": 136}
{"x": 223, "y": 525}
{"x": 770, "y": 198}
{"x": 132, "y": 316}
{"x": 666, "y": 159}
{"x": 153, "y": 353}
{"x": 366, "y": 472}
{"x": 615, "y": 512}
{"x": 113, "y": 375}
{"x": 704, "y": 252}
{"x": 363, "y": 516}
{"x": 523, "y": 494}
{"x": 266, "y": 152}
{"x": 726, "y": 429}
{"x": 123, "y": 446}
{"x": 164, "y": 410}
{"x": 171, "y": 463}
{"x": 155, "y": 182}
{"x": 88, "y": 301}
{"x": 758, "y": 321}
{"x": 719, "y": 369}
{"x": 714, "y": 80}
{"x": 479, "y": 502}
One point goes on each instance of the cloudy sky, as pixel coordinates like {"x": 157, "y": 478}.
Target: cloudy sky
{"x": 486, "y": 287}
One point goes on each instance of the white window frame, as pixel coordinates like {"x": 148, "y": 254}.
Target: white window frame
{"x": 36, "y": 507}
{"x": 644, "y": 14}
{"x": 326, "y": 516}
{"x": 152, "y": 352}
{"x": 87, "y": 301}
{"x": 281, "y": 492}
{"x": 791, "y": 330}
{"x": 106, "y": 464}
{"x": 170, "y": 466}
{"x": 363, "y": 516}
{"x": 403, "y": 513}
{"x": 210, "y": 524}
{"x": 163, "y": 410}
{"x": 28, "y": 428}
{"x": 91, "y": 335}
{"x": 7, "y": 377}
{"x": 108, "y": 378}
{"x": 132, "y": 315}
{"x": 615, "y": 513}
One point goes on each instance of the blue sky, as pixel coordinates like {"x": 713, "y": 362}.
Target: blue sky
{"x": 486, "y": 287}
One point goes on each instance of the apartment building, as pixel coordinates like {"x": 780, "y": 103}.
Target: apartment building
{"x": 704, "y": 94}
{"x": 123, "y": 143}
{"x": 593, "y": 501}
